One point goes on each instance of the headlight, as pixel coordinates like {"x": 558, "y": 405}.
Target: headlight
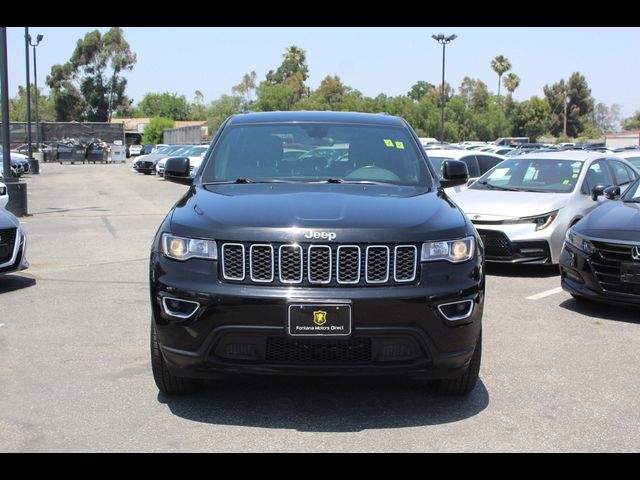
{"x": 541, "y": 221}
{"x": 3, "y": 190}
{"x": 582, "y": 244}
{"x": 454, "y": 251}
{"x": 181, "y": 248}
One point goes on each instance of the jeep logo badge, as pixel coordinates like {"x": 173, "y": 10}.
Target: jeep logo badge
{"x": 635, "y": 253}
{"x": 317, "y": 235}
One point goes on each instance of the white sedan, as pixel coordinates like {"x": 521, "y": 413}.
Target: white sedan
{"x": 478, "y": 163}
{"x": 195, "y": 155}
{"x": 523, "y": 207}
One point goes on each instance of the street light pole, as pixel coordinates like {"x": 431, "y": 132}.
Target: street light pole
{"x": 26, "y": 53}
{"x": 566, "y": 104}
{"x": 444, "y": 40}
{"x": 35, "y": 82}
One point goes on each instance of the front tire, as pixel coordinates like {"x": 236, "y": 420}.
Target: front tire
{"x": 166, "y": 382}
{"x": 462, "y": 384}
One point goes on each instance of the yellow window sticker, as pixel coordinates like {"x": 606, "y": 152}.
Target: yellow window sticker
{"x": 566, "y": 182}
{"x": 388, "y": 142}
{"x": 400, "y": 145}
{"x": 575, "y": 175}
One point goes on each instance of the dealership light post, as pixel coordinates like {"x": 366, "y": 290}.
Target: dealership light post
{"x": 566, "y": 105}
{"x": 17, "y": 191}
{"x": 35, "y": 81}
{"x": 444, "y": 40}
{"x": 26, "y": 55}
{"x": 4, "y": 98}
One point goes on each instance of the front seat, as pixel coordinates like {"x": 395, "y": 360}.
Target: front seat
{"x": 259, "y": 158}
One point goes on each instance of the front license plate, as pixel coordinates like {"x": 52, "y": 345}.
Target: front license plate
{"x": 630, "y": 272}
{"x": 308, "y": 320}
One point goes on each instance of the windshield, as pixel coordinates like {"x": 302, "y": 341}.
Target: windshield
{"x": 195, "y": 151}
{"x": 635, "y": 161}
{"x": 164, "y": 150}
{"x": 531, "y": 175}
{"x": 298, "y": 152}
{"x": 633, "y": 193}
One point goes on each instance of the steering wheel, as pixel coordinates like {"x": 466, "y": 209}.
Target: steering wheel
{"x": 371, "y": 172}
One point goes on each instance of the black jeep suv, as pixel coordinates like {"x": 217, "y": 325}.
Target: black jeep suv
{"x": 316, "y": 243}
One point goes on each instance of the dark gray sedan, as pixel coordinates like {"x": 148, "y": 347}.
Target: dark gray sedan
{"x": 13, "y": 244}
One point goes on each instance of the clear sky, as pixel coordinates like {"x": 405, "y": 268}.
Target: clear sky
{"x": 372, "y": 59}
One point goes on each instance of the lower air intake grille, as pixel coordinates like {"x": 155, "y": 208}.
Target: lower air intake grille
{"x": 296, "y": 351}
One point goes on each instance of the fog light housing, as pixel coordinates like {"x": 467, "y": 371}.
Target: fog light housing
{"x": 455, "y": 311}
{"x": 177, "y": 308}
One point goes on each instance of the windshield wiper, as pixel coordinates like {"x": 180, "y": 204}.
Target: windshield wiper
{"x": 632, "y": 201}
{"x": 496, "y": 187}
{"x": 357, "y": 182}
{"x": 245, "y": 180}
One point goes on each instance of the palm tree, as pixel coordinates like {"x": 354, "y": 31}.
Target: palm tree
{"x": 511, "y": 82}
{"x": 500, "y": 65}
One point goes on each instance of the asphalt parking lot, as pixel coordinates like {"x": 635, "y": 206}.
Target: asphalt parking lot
{"x": 75, "y": 375}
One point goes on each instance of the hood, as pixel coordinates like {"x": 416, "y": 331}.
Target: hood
{"x": 7, "y": 219}
{"x": 613, "y": 220}
{"x": 286, "y": 212}
{"x": 501, "y": 205}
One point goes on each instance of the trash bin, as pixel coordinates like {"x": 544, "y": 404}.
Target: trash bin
{"x": 96, "y": 154}
{"x": 17, "y": 203}
{"x": 65, "y": 153}
{"x": 79, "y": 154}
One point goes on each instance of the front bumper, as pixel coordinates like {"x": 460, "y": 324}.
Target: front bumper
{"x": 242, "y": 328}
{"x": 521, "y": 243}
{"x": 578, "y": 276}
{"x": 18, "y": 260}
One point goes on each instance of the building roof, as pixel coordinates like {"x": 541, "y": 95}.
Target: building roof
{"x": 132, "y": 123}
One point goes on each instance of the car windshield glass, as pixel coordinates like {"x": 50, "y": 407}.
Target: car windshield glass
{"x": 195, "y": 151}
{"x": 164, "y": 150}
{"x": 532, "y": 175}
{"x": 337, "y": 152}
{"x": 635, "y": 161}
{"x": 633, "y": 193}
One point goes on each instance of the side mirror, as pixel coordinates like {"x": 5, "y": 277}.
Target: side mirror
{"x": 597, "y": 191}
{"x": 612, "y": 192}
{"x": 454, "y": 173}
{"x": 176, "y": 169}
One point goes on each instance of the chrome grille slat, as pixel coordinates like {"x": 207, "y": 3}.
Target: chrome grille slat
{"x": 377, "y": 264}
{"x": 290, "y": 267}
{"x": 261, "y": 263}
{"x": 233, "y": 261}
{"x": 319, "y": 264}
{"x": 404, "y": 263}
{"x": 349, "y": 264}
{"x": 306, "y": 264}
{"x": 606, "y": 263}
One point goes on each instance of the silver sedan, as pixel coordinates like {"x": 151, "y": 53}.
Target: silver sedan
{"x": 523, "y": 207}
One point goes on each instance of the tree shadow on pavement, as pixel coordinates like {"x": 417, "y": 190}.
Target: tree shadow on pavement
{"x": 526, "y": 271}
{"x": 324, "y": 404}
{"x": 11, "y": 283}
{"x": 602, "y": 310}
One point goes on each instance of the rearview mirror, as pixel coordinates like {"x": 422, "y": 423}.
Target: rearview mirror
{"x": 177, "y": 170}
{"x": 454, "y": 173}
{"x": 597, "y": 191}
{"x": 612, "y": 192}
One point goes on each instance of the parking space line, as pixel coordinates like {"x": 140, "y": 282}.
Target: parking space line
{"x": 546, "y": 293}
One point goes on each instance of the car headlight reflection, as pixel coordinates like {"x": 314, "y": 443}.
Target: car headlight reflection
{"x": 182, "y": 248}
{"x": 577, "y": 241}
{"x": 454, "y": 251}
